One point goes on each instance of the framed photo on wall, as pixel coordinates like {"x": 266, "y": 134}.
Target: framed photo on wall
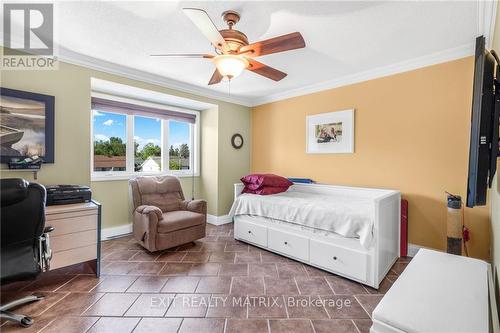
{"x": 26, "y": 125}
{"x": 330, "y": 133}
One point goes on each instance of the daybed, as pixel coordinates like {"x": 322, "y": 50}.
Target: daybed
{"x": 350, "y": 231}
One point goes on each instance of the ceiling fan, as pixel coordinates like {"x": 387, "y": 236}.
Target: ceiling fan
{"x": 233, "y": 51}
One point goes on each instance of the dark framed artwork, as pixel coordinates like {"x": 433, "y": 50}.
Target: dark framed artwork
{"x": 26, "y": 125}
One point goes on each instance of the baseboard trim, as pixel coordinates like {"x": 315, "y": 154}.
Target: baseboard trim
{"x": 414, "y": 248}
{"x": 126, "y": 229}
{"x": 219, "y": 220}
{"x": 114, "y": 232}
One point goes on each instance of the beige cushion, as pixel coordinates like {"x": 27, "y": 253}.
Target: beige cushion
{"x": 180, "y": 219}
{"x": 164, "y": 192}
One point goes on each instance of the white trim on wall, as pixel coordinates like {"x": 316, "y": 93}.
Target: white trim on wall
{"x": 375, "y": 73}
{"x": 134, "y": 74}
{"x": 113, "y": 232}
{"x": 414, "y": 248}
{"x": 78, "y": 59}
{"x": 219, "y": 220}
{"x": 126, "y": 229}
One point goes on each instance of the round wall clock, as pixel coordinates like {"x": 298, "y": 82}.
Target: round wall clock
{"x": 237, "y": 141}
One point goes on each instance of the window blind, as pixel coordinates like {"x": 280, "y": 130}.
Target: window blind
{"x": 108, "y": 105}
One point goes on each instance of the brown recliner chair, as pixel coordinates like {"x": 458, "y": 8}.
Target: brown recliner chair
{"x": 162, "y": 217}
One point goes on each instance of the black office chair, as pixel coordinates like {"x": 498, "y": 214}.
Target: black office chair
{"x": 25, "y": 249}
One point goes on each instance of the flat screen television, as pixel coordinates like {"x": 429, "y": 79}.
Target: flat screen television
{"x": 483, "y": 150}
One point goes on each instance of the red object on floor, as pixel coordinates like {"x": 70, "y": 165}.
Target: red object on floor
{"x": 404, "y": 228}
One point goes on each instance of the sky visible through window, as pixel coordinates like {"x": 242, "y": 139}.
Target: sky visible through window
{"x": 146, "y": 130}
{"x": 107, "y": 125}
{"x": 178, "y": 133}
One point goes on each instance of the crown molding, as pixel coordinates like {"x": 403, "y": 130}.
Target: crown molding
{"x": 486, "y": 14}
{"x": 404, "y": 66}
{"x": 79, "y": 59}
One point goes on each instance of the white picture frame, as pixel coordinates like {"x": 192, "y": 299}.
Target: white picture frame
{"x": 330, "y": 133}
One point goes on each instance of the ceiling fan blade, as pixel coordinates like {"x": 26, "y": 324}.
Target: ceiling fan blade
{"x": 216, "y": 78}
{"x": 203, "y": 22}
{"x": 183, "y": 55}
{"x": 274, "y": 45}
{"x": 264, "y": 70}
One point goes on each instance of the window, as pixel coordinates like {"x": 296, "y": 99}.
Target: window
{"x": 147, "y": 144}
{"x": 142, "y": 138}
{"x": 179, "y": 137}
{"x": 110, "y": 147}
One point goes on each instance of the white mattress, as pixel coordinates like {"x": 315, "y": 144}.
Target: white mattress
{"x": 347, "y": 216}
{"x": 437, "y": 292}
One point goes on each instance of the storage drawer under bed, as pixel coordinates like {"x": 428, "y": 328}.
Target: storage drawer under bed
{"x": 288, "y": 243}
{"x": 339, "y": 259}
{"x": 251, "y": 232}
{"x": 350, "y": 262}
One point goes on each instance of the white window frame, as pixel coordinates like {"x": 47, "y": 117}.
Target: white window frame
{"x": 194, "y": 156}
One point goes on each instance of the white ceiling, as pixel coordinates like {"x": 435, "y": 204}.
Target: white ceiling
{"x": 345, "y": 40}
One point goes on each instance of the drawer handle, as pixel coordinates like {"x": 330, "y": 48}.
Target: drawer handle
{"x": 334, "y": 258}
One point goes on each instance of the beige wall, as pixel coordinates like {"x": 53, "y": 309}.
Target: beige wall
{"x": 71, "y": 87}
{"x": 209, "y": 156}
{"x": 411, "y": 133}
{"x": 233, "y": 164}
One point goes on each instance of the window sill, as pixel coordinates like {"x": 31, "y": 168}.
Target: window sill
{"x": 95, "y": 177}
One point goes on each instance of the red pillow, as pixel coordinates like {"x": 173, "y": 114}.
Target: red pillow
{"x": 256, "y": 181}
{"x": 265, "y": 190}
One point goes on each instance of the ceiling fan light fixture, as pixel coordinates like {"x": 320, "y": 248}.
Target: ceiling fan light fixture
{"x": 230, "y": 65}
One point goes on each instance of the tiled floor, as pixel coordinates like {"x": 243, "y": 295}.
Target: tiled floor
{"x": 216, "y": 284}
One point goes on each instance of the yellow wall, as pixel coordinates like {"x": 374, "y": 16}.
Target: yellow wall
{"x": 411, "y": 134}
{"x": 71, "y": 87}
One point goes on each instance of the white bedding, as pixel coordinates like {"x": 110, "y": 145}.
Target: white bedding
{"x": 346, "y": 216}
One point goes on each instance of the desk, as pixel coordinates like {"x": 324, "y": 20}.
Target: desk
{"x": 77, "y": 234}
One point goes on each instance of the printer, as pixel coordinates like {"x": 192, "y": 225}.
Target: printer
{"x": 67, "y": 194}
